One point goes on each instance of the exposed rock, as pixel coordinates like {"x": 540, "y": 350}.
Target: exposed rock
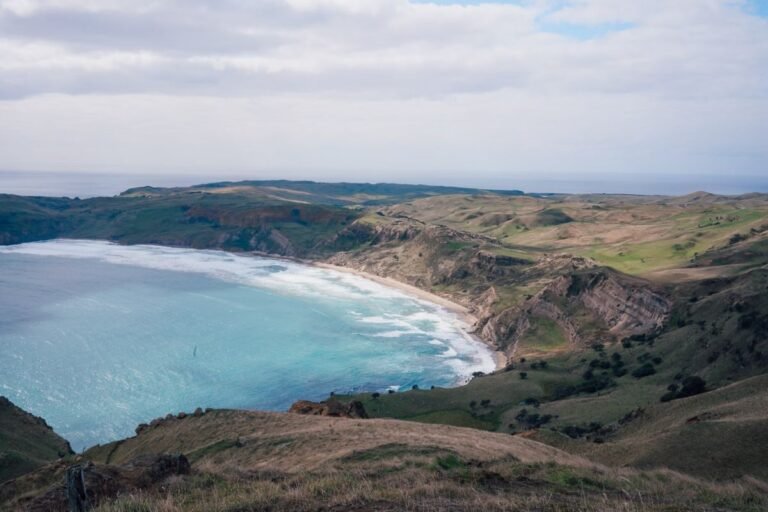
{"x": 576, "y": 289}
{"x": 335, "y": 408}
{"x": 86, "y": 485}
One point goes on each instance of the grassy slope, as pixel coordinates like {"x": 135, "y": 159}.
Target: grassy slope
{"x": 721, "y": 337}
{"x": 242, "y": 220}
{"x": 26, "y": 442}
{"x": 251, "y": 461}
{"x": 636, "y": 235}
{"x": 721, "y": 434}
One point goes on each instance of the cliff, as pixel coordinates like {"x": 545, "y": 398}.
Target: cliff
{"x": 508, "y": 295}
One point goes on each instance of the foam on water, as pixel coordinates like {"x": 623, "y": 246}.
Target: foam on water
{"x": 351, "y": 333}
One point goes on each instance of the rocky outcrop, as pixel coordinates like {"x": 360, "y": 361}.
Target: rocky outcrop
{"x": 473, "y": 270}
{"x": 626, "y": 306}
{"x": 335, "y": 408}
{"x": 622, "y": 305}
{"x": 86, "y": 485}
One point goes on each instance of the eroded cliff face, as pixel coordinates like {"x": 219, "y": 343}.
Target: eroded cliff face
{"x": 588, "y": 303}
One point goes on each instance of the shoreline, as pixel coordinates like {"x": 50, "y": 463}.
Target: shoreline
{"x": 499, "y": 358}
{"x": 460, "y": 311}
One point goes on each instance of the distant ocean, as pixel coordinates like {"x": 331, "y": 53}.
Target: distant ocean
{"x": 65, "y": 184}
{"x": 96, "y": 337}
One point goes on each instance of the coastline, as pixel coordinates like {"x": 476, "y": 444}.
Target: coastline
{"x": 457, "y": 309}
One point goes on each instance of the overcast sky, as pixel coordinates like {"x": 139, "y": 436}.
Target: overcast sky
{"x": 474, "y": 93}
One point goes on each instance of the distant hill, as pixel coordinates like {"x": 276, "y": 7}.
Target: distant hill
{"x": 332, "y": 193}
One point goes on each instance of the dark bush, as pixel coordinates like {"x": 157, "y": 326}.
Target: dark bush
{"x": 619, "y": 371}
{"x": 644, "y": 371}
{"x": 562, "y": 392}
{"x": 523, "y": 375}
{"x": 693, "y": 385}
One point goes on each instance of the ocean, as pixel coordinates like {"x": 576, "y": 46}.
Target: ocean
{"x": 83, "y": 185}
{"x": 97, "y": 337}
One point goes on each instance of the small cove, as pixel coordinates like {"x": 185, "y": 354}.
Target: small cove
{"x": 97, "y": 337}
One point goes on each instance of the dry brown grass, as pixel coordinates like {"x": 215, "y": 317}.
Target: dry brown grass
{"x": 281, "y": 462}
{"x": 293, "y": 443}
{"x": 420, "y": 485}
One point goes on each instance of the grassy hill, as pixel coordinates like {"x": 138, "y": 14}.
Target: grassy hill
{"x": 26, "y": 442}
{"x": 281, "y": 462}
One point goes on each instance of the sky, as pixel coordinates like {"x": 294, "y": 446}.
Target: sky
{"x": 472, "y": 93}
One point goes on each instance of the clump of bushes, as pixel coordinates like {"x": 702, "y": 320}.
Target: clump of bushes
{"x": 644, "y": 371}
{"x": 531, "y": 421}
{"x": 690, "y": 386}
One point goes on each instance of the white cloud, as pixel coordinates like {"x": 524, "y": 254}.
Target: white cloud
{"x": 608, "y": 85}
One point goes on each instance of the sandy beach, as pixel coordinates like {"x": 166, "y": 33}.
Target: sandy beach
{"x": 457, "y": 309}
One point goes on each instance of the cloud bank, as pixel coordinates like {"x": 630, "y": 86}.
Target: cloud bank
{"x": 384, "y": 89}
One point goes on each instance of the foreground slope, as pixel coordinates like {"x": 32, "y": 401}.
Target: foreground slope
{"x": 272, "y": 461}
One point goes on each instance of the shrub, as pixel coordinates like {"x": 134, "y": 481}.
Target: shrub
{"x": 644, "y": 371}
{"x": 619, "y": 371}
{"x": 596, "y": 384}
{"x": 523, "y": 375}
{"x": 693, "y": 385}
{"x": 562, "y": 392}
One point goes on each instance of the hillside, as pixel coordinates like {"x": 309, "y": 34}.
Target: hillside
{"x": 26, "y": 442}
{"x": 234, "y": 460}
{"x": 635, "y": 330}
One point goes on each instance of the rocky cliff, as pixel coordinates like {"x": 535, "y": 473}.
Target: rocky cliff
{"x": 506, "y": 294}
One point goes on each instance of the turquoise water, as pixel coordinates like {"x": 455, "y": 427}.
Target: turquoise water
{"x": 97, "y": 337}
